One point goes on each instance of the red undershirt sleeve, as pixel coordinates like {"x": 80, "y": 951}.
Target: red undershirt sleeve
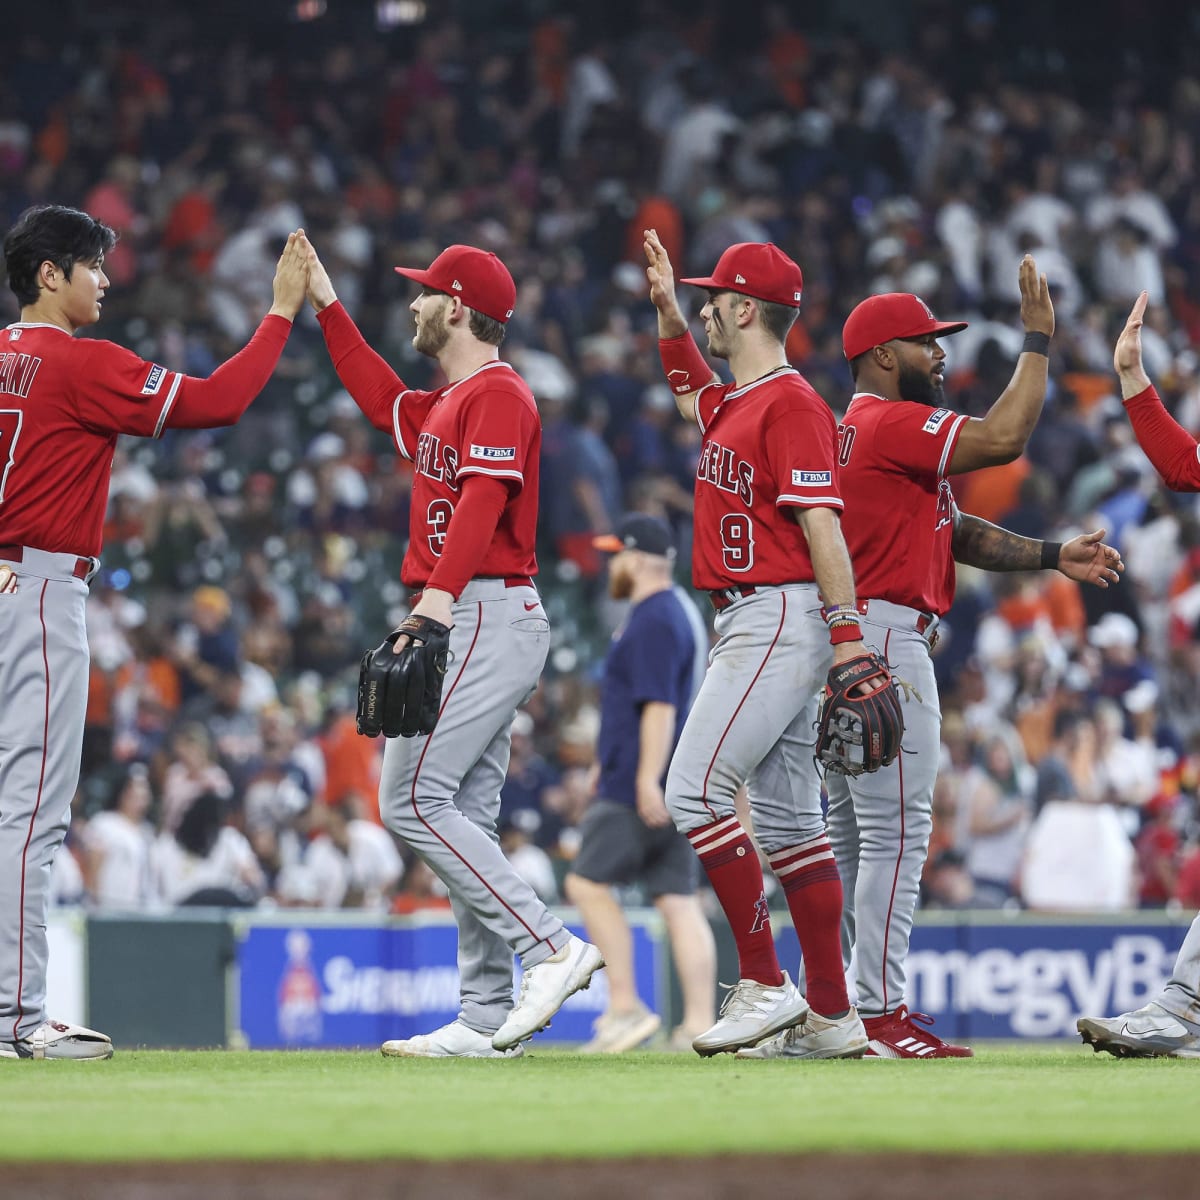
{"x": 366, "y": 376}
{"x": 1169, "y": 446}
{"x": 227, "y": 392}
{"x": 470, "y": 533}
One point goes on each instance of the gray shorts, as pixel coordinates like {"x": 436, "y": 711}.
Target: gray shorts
{"x": 617, "y": 847}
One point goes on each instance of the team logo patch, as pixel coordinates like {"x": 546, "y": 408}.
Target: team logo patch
{"x": 494, "y": 453}
{"x": 14, "y": 335}
{"x": 811, "y": 478}
{"x": 154, "y": 380}
{"x": 936, "y": 420}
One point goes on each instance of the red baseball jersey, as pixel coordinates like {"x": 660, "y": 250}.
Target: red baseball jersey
{"x": 485, "y": 424}
{"x": 63, "y": 401}
{"x": 899, "y": 517}
{"x": 769, "y": 446}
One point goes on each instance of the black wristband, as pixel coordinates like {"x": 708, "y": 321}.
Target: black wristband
{"x": 1036, "y": 343}
{"x": 1050, "y": 553}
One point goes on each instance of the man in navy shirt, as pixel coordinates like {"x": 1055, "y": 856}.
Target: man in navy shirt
{"x": 650, "y": 677}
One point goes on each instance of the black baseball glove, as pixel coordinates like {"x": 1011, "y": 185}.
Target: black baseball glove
{"x": 860, "y": 725}
{"x": 400, "y": 695}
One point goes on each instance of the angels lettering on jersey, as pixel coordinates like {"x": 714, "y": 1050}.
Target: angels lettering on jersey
{"x": 769, "y": 448}
{"x": 486, "y": 424}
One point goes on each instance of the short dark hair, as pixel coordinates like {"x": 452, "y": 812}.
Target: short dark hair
{"x": 486, "y": 329}
{"x": 51, "y": 233}
{"x": 856, "y": 363}
{"x": 777, "y": 319}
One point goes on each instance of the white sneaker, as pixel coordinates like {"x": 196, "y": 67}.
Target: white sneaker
{"x": 1149, "y": 1032}
{"x": 815, "y": 1037}
{"x": 455, "y": 1040}
{"x": 57, "y": 1039}
{"x": 545, "y": 988}
{"x": 753, "y": 1011}
{"x": 615, "y": 1033}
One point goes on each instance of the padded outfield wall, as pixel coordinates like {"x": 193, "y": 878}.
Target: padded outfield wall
{"x": 308, "y": 979}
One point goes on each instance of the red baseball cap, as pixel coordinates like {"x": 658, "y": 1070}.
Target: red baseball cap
{"x": 477, "y": 277}
{"x": 880, "y": 319}
{"x": 758, "y": 269}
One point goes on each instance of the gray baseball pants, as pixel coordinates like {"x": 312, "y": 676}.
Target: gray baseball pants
{"x": 772, "y": 655}
{"x": 879, "y": 824}
{"x": 43, "y": 700}
{"x": 441, "y": 794}
{"x": 1181, "y": 995}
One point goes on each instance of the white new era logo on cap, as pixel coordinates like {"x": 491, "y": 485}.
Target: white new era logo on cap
{"x": 456, "y": 286}
{"x": 739, "y": 279}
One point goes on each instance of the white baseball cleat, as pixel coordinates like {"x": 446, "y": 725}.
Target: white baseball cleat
{"x": 1149, "y": 1032}
{"x": 545, "y": 988}
{"x": 455, "y": 1040}
{"x": 57, "y": 1039}
{"x": 753, "y": 1011}
{"x": 815, "y": 1037}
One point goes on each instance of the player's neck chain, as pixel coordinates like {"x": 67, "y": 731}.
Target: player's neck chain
{"x": 765, "y": 375}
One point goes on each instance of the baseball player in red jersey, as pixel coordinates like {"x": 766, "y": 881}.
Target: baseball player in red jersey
{"x": 63, "y": 401}
{"x": 474, "y": 446}
{"x": 905, "y": 533}
{"x": 1169, "y": 1025}
{"x": 766, "y": 536}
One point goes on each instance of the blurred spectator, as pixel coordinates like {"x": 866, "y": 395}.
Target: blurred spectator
{"x": 117, "y": 845}
{"x": 191, "y": 773}
{"x": 1159, "y": 850}
{"x": 997, "y": 808}
{"x": 529, "y": 860}
{"x": 206, "y": 861}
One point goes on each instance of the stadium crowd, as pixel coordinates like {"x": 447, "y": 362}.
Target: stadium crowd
{"x": 246, "y": 571}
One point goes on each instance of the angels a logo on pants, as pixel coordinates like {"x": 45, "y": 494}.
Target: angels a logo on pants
{"x": 762, "y": 914}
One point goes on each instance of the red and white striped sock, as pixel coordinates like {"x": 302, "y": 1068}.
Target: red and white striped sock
{"x": 729, "y": 860}
{"x": 813, "y": 887}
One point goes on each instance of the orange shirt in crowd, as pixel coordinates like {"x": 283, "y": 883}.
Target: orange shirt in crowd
{"x": 992, "y": 492}
{"x": 351, "y": 763}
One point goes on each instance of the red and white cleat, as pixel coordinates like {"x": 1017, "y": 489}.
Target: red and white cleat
{"x": 900, "y": 1034}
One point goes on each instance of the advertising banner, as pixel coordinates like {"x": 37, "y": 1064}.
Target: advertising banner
{"x": 1028, "y": 978}
{"x": 345, "y": 985}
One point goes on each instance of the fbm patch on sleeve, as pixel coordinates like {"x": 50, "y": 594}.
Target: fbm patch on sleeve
{"x": 937, "y": 419}
{"x": 811, "y": 478}
{"x": 154, "y": 380}
{"x": 493, "y": 453}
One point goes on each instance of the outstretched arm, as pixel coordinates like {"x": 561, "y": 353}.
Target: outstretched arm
{"x": 683, "y": 364}
{"x": 225, "y": 395}
{"x": 1172, "y": 450}
{"x": 1000, "y": 435}
{"x": 1085, "y": 558}
{"x": 364, "y": 374}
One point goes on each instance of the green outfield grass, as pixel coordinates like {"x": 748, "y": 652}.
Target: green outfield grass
{"x": 357, "y": 1105}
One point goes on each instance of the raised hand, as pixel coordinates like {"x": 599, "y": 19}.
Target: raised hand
{"x": 1037, "y": 311}
{"x": 661, "y": 277}
{"x": 320, "y": 288}
{"x": 291, "y": 278}
{"x": 1127, "y": 355}
{"x": 1087, "y": 559}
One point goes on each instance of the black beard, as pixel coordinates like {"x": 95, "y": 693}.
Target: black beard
{"x": 919, "y": 386}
